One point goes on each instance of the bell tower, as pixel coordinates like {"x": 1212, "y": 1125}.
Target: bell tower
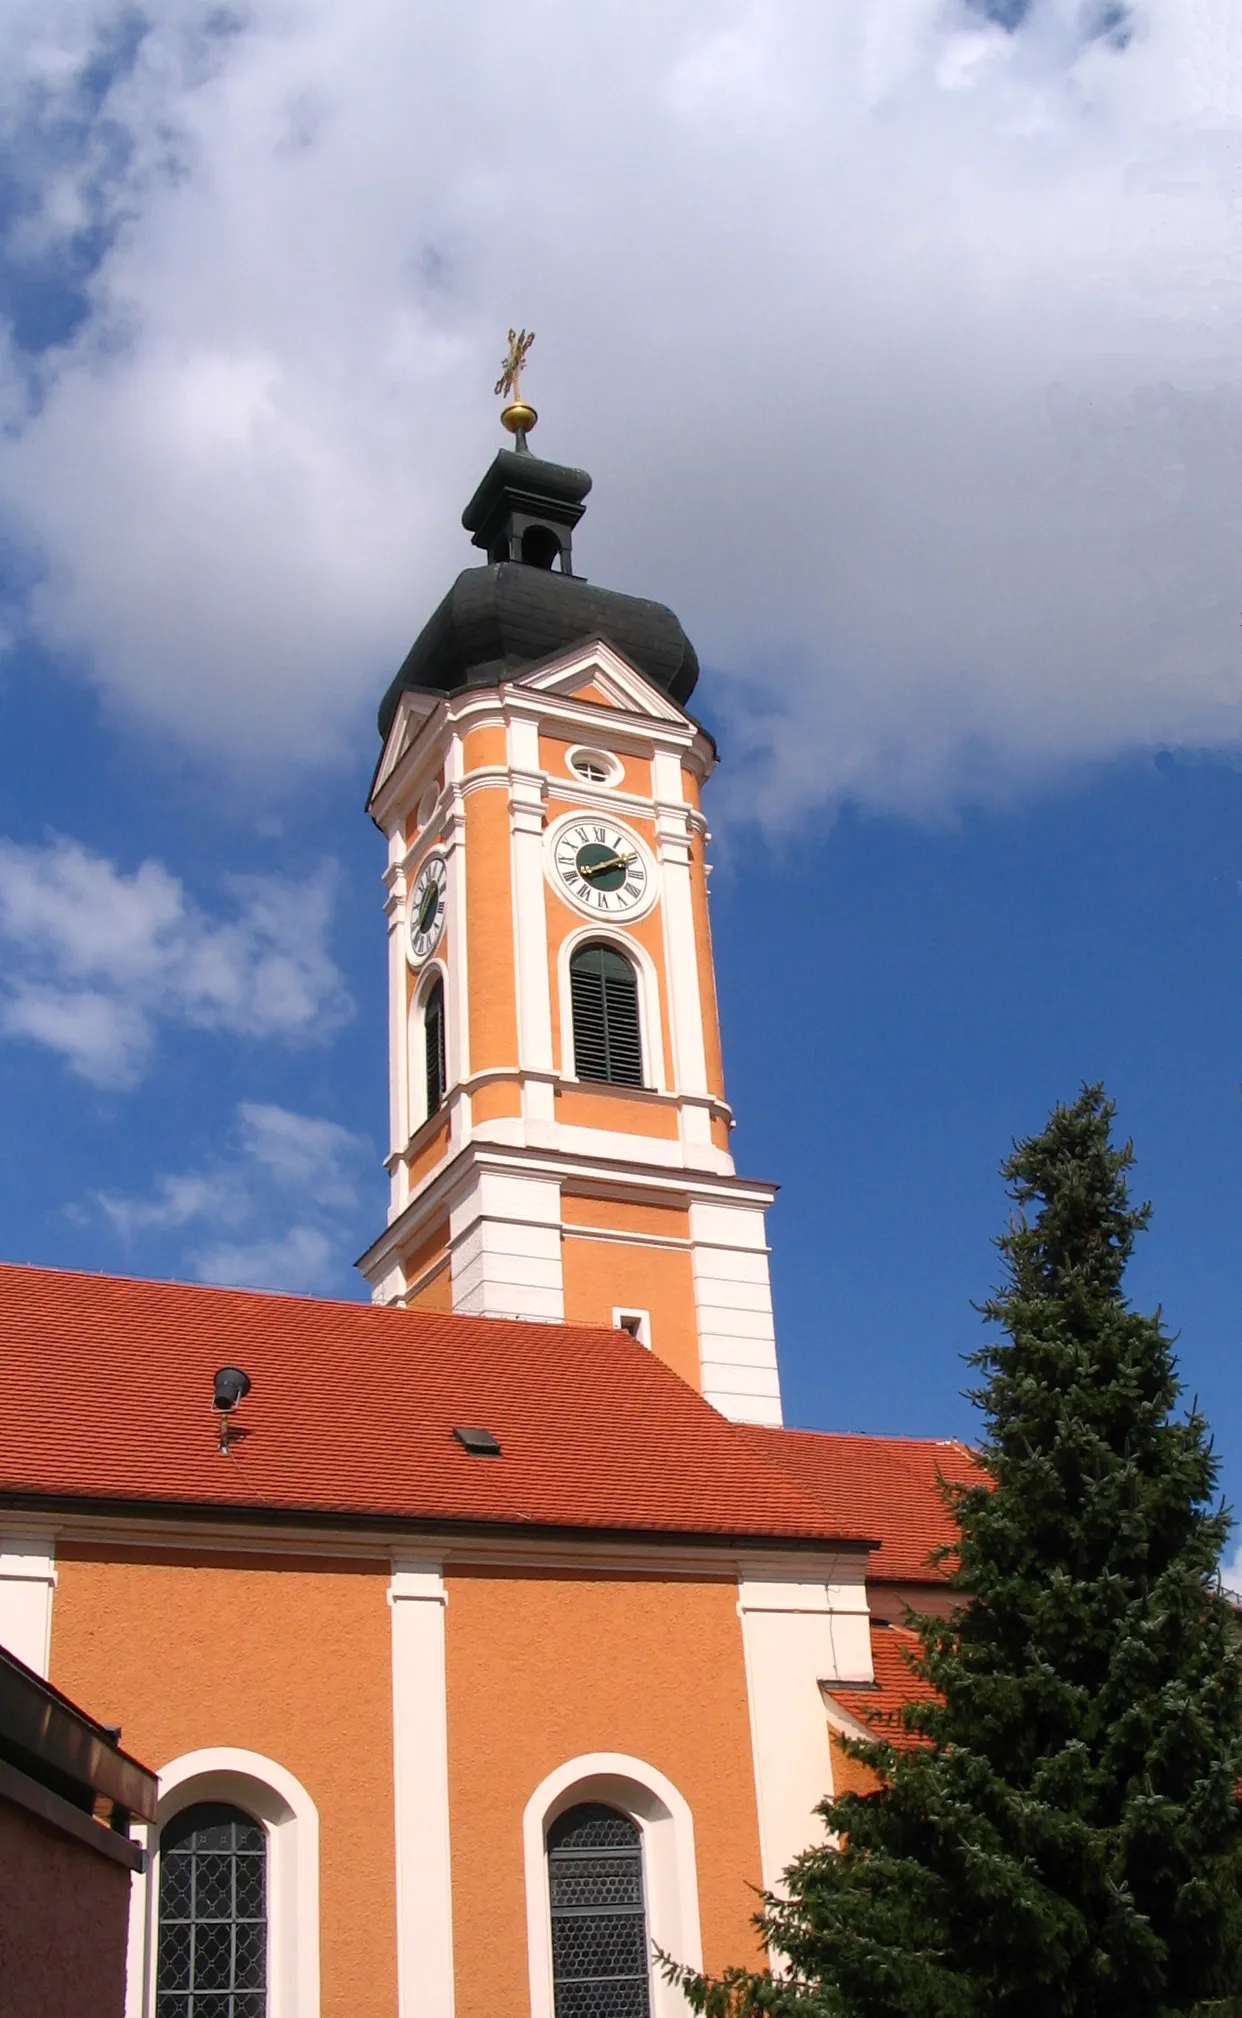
{"x": 559, "y": 1135}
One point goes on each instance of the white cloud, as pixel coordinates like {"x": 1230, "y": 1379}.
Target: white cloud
{"x": 1231, "y": 1574}
{"x": 907, "y": 354}
{"x": 96, "y": 958}
{"x": 279, "y": 1210}
{"x": 302, "y": 1260}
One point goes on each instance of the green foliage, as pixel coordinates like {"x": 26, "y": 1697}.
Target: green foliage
{"x": 1065, "y": 1841}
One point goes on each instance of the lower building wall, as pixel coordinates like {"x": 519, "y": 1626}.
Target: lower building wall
{"x": 544, "y": 1669}
{"x": 287, "y": 1658}
{"x": 64, "y": 1913}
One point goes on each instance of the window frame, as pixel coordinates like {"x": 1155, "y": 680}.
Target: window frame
{"x": 195, "y": 1922}
{"x": 650, "y": 1024}
{"x": 611, "y": 1032}
{"x": 670, "y": 1879}
{"x": 281, "y": 1805}
{"x": 605, "y": 1913}
{"x": 437, "y": 987}
{"x": 416, "y": 1048}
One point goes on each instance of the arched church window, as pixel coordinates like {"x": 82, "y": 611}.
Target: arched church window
{"x": 433, "y": 1039}
{"x": 600, "y": 1949}
{"x": 604, "y": 995}
{"x": 213, "y": 1915}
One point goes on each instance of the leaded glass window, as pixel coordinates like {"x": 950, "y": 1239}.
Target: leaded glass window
{"x": 599, "y": 1924}
{"x": 213, "y": 1915}
{"x": 603, "y": 991}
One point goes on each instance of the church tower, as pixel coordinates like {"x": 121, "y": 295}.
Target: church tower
{"x": 559, "y": 1135}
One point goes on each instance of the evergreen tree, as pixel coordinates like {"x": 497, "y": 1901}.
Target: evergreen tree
{"x": 1065, "y": 1842}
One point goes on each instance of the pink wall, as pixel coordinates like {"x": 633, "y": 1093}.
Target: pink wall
{"x": 63, "y": 1917}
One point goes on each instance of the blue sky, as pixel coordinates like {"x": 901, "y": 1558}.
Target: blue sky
{"x": 903, "y": 346}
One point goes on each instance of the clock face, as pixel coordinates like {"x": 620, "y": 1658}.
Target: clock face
{"x": 600, "y": 866}
{"x": 428, "y": 903}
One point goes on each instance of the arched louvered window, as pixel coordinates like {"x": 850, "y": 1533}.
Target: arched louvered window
{"x": 433, "y": 1038}
{"x": 213, "y": 1915}
{"x": 604, "y": 992}
{"x": 600, "y": 1949}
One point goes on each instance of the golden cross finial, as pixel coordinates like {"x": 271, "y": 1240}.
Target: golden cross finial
{"x": 510, "y": 380}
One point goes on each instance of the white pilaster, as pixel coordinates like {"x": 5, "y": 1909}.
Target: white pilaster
{"x": 530, "y": 929}
{"x": 420, "y": 1752}
{"x": 680, "y": 956}
{"x": 457, "y": 989}
{"x": 505, "y": 1232}
{"x": 733, "y": 1302}
{"x": 27, "y": 1580}
{"x": 796, "y": 1632}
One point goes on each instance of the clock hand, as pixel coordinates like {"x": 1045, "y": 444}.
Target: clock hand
{"x": 609, "y": 862}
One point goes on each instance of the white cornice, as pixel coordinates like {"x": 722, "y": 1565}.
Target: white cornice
{"x": 637, "y": 710}
{"x": 615, "y": 1178}
{"x": 379, "y": 1541}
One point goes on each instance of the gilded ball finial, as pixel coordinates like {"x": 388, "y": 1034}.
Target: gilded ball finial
{"x": 517, "y": 416}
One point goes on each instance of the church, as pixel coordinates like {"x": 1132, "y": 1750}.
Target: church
{"x": 488, "y": 1636}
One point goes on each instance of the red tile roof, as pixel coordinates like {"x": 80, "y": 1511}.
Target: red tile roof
{"x": 107, "y": 1392}
{"x": 891, "y": 1647}
{"x": 888, "y": 1484}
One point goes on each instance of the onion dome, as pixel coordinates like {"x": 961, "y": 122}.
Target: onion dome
{"x": 526, "y": 604}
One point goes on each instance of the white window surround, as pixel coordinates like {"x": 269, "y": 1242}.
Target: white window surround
{"x": 581, "y": 753}
{"x": 636, "y": 1322}
{"x": 669, "y": 1872}
{"x": 417, "y": 1043}
{"x": 274, "y": 1797}
{"x": 27, "y": 1581}
{"x": 649, "y": 1020}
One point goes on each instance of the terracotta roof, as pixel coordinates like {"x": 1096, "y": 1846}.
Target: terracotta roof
{"x": 894, "y": 1685}
{"x": 108, "y": 1382}
{"x": 886, "y": 1484}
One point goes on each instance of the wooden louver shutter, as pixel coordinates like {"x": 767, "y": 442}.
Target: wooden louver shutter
{"x": 433, "y": 1026}
{"x": 604, "y": 991}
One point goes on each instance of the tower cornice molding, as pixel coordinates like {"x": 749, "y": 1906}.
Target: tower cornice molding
{"x": 612, "y": 1177}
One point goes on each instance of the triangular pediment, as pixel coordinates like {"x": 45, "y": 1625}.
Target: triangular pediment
{"x": 413, "y": 709}
{"x": 598, "y": 673}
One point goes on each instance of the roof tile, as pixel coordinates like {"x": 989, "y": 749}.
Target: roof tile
{"x": 108, "y": 1384}
{"x": 888, "y": 1484}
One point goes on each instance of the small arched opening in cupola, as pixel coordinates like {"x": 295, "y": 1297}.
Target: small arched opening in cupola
{"x": 540, "y": 547}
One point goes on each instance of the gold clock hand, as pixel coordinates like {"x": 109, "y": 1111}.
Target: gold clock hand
{"x": 609, "y": 862}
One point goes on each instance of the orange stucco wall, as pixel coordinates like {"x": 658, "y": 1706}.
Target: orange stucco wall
{"x": 849, "y": 1776}
{"x": 603, "y": 1275}
{"x": 648, "y": 931}
{"x": 485, "y": 746}
{"x": 489, "y": 932}
{"x": 285, "y": 1657}
{"x": 436, "y": 1293}
{"x": 626, "y": 1215}
{"x": 615, "y": 1107}
{"x": 431, "y": 1248}
{"x": 553, "y": 758}
{"x": 497, "y": 1099}
{"x": 543, "y": 1668}
{"x": 429, "y": 1153}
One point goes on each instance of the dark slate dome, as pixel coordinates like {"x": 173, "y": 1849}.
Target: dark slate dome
{"x": 521, "y": 607}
